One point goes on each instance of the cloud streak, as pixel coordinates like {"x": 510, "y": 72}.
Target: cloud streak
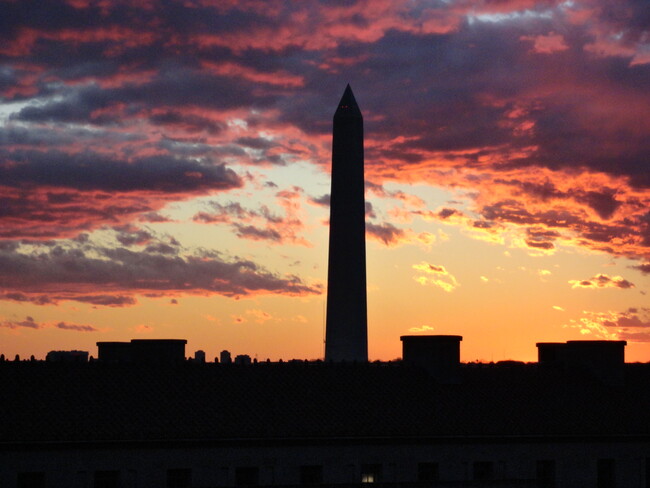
{"x": 47, "y": 274}
{"x": 30, "y": 323}
{"x": 602, "y": 281}
{"x": 632, "y": 325}
{"x": 435, "y": 275}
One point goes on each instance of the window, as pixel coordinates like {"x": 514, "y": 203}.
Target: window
{"x": 311, "y": 475}
{"x": 428, "y": 472}
{"x": 31, "y": 480}
{"x": 107, "y": 479}
{"x": 483, "y": 470}
{"x": 247, "y": 476}
{"x": 606, "y": 473}
{"x": 371, "y": 473}
{"x": 179, "y": 478}
{"x": 546, "y": 473}
{"x": 81, "y": 480}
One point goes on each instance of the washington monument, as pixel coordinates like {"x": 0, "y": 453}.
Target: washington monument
{"x": 346, "y": 337}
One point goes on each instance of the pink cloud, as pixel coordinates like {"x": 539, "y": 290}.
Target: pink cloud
{"x": 262, "y": 224}
{"x": 547, "y": 44}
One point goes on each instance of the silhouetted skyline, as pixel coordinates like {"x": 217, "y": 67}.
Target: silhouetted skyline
{"x": 165, "y": 172}
{"x": 575, "y": 418}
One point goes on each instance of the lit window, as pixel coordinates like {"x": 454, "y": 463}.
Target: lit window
{"x": 371, "y": 473}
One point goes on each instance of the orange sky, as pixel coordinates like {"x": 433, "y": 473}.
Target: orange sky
{"x": 164, "y": 172}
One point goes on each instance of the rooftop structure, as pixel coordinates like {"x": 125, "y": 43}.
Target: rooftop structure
{"x": 147, "y": 351}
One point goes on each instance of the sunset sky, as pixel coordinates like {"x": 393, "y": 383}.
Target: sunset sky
{"x": 164, "y": 172}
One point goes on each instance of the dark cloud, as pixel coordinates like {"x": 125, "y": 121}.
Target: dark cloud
{"x": 52, "y": 270}
{"x": 162, "y": 248}
{"x": 323, "y": 200}
{"x": 482, "y": 224}
{"x": 255, "y": 142}
{"x": 104, "y": 300}
{"x": 97, "y": 172}
{"x": 540, "y": 244}
{"x": 130, "y": 238}
{"x": 14, "y": 324}
{"x": 603, "y": 203}
{"x": 30, "y": 323}
{"x": 153, "y": 217}
{"x": 445, "y": 213}
{"x": 257, "y": 234}
{"x": 54, "y": 299}
{"x": 75, "y": 327}
{"x": 370, "y": 211}
{"x": 628, "y": 321}
{"x": 175, "y": 85}
{"x": 384, "y": 232}
{"x": 541, "y": 238}
{"x": 186, "y": 122}
{"x": 644, "y": 268}
{"x": 87, "y": 190}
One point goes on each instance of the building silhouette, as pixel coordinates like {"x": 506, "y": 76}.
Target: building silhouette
{"x": 67, "y": 356}
{"x": 346, "y": 337}
{"x": 199, "y": 356}
{"x": 225, "y": 357}
{"x": 427, "y": 420}
{"x": 151, "y": 351}
{"x": 141, "y": 416}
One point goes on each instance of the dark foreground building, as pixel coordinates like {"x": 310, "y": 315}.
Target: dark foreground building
{"x": 425, "y": 421}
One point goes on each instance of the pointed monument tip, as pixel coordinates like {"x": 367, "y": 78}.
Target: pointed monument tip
{"x": 348, "y": 105}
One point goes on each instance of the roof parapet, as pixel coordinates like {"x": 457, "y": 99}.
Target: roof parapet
{"x": 603, "y": 360}
{"x": 439, "y": 355}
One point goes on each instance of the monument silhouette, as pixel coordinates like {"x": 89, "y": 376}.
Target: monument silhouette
{"x": 346, "y": 337}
